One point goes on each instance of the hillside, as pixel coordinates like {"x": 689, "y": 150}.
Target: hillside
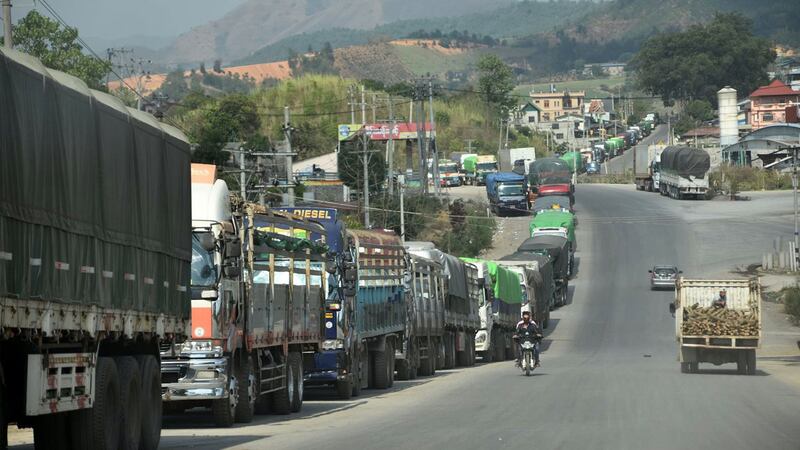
{"x": 257, "y": 23}
{"x": 519, "y": 19}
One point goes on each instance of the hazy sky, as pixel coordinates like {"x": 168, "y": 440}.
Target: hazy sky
{"x": 114, "y": 19}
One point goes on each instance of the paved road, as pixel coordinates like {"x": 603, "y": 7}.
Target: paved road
{"x": 610, "y": 379}
{"x": 624, "y": 162}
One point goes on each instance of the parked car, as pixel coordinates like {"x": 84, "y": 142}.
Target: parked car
{"x": 593, "y": 168}
{"x": 663, "y": 277}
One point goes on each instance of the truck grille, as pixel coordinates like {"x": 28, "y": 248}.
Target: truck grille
{"x": 172, "y": 375}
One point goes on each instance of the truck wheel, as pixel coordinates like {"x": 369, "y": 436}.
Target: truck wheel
{"x": 296, "y": 359}
{"x": 151, "y": 402}
{"x": 344, "y": 389}
{"x": 3, "y": 423}
{"x": 751, "y": 362}
{"x": 246, "y": 376}
{"x": 223, "y": 410}
{"x": 450, "y": 352}
{"x": 390, "y": 362}
{"x": 98, "y": 428}
{"x": 281, "y": 400}
{"x": 440, "y": 353}
{"x": 500, "y": 348}
{"x": 685, "y": 367}
{"x": 741, "y": 362}
{"x": 380, "y": 371}
{"x": 130, "y": 397}
{"x": 50, "y": 432}
{"x": 360, "y": 372}
{"x": 261, "y": 407}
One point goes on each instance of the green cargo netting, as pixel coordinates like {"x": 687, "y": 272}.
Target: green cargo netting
{"x": 505, "y": 283}
{"x": 470, "y": 163}
{"x": 555, "y": 219}
{"x": 288, "y": 243}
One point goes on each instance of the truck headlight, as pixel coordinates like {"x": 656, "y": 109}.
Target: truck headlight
{"x": 333, "y": 344}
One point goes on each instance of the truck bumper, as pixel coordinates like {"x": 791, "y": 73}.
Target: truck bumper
{"x": 327, "y": 369}
{"x": 194, "y": 379}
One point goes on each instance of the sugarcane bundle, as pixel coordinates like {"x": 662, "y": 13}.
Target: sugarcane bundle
{"x": 712, "y": 321}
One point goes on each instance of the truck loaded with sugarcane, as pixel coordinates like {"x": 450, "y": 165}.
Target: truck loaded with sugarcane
{"x": 717, "y": 322}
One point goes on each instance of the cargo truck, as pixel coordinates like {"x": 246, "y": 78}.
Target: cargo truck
{"x": 499, "y": 309}
{"x": 509, "y": 156}
{"x": 258, "y": 284}
{"x": 557, "y": 248}
{"x": 556, "y": 219}
{"x": 684, "y": 172}
{"x": 650, "y": 181}
{"x": 425, "y": 319}
{"x": 94, "y": 260}
{"x": 712, "y": 334}
{"x": 484, "y": 165}
{"x": 366, "y": 316}
{"x": 507, "y": 192}
{"x": 469, "y": 170}
{"x": 461, "y": 319}
{"x": 448, "y": 174}
{"x": 535, "y": 274}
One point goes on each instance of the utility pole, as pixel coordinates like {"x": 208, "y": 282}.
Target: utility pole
{"x": 434, "y": 152}
{"x": 393, "y": 124}
{"x": 401, "y": 182}
{"x": 423, "y": 160}
{"x": 469, "y": 144}
{"x": 374, "y": 105}
{"x": 500, "y": 139}
{"x": 7, "y": 39}
{"x": 363, "y": 107}
{"x": 287, "y": 130}
{"x": 352, "y": 104}
{"x": 242, "y": 175}
{"x": 794, "y": 188}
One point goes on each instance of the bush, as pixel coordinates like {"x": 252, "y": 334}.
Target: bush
{"x": 734, "y": 179}
{"x": 791, "y": 303}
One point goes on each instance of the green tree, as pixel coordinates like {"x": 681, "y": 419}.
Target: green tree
{"x": 58, "y": 48}
{"x": 495, "y": 82}
{"x": 232, "y": 119}
{"x": 696, "y": 63}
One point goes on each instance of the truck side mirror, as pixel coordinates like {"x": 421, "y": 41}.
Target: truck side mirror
{"x": 649, "y": 271}
{"x": 672, "y": 308}
{"x": 233, "y": 249}
{"x": 351, "y": 275}
{"x": 232, "y": 271}
{"x": 206, "y": 241}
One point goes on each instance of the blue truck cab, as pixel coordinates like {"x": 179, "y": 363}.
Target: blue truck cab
{"x": 507, "y": 192}
{"x": 365, "y": 311}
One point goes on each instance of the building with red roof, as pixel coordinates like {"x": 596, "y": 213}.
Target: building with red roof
{"x": 768, "y": 104}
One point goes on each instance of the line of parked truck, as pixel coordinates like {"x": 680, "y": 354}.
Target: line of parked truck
{"x": 614, "y": 146}
{"x": 132, "y": 282}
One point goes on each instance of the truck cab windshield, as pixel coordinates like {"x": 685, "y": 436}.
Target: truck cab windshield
{"x": 486, "y": 166}
{"x": 508, "y": 190}
{"x": 204, "y": 272}
{"x": 447, "y": 168}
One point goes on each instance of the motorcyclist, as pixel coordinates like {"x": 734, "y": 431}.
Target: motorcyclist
{"x": 529, "y": 325}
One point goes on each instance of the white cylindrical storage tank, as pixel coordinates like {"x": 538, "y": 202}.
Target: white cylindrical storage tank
{"x": 728, "y": 122}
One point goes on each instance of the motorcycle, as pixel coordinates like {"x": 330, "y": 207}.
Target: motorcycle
{"x": 529, "y": 343}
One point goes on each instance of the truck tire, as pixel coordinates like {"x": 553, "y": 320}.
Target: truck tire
{"x": 296, "y": 359}
{"x": 450, "y": 352}
{"x": 361, "y": 370}
{"x": 380, "y": 369}
{"x": 130, "y": 396}
{"x": 223, "y": 410}
{"x": 50, "y": 432}
{"x": 3, "y": 423}
{"x": 685, "y": 367}
{"x": 261, "y": 406}
{"x": 427, "y": 364}
{"x": 281, "y": 400}
{"x": 440, "y": 353}
{"x": 741, "y": 362}
{"x": 751, "y": 362}
{"x": 246, "y": 376}
{"x": 390, "y": 361}
{"x": 344, "y": 389}
{"x": 98, "y": 428}
{"x": 151, "y": 402}
{"x": 403, "y": 370}
{"x": 500, "y": 347}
